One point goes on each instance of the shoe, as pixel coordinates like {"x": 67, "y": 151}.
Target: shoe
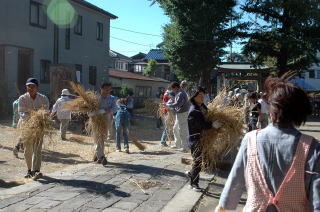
{"x": 118, "y": 150}
{"x": 104, "y": 161}
{"x": 37, "y": 175}
{"x": 29, "y": 174}
{"x": 173, "y": 146}
{"x": 195, "y": 187}
{"x": 181, "y": 150}
{"x": 64, "y": 139}
{"x": 15, "y": 152}
{"x": 95, "y": 158}
{"x": 126, "y": 150}
{"x": 164, "y": 144}
{"x": 188, "y": 173}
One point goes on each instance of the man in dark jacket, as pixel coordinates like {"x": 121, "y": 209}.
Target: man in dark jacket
{"x": 196, "y": 125}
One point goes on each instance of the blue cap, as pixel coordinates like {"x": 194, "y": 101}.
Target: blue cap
{"x": 32, "y": 81}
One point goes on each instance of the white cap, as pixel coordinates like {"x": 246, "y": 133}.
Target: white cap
{"x": 184, "y": 82}
{"x": 65, "y": 92}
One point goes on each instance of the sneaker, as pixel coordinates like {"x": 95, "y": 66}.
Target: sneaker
{"x": 164, "y": 144}
{"x": 118, "y": 150}
{"x": 64, "y": 139}
{"x": 195, "y": 187}
{"x": 104, "y": 161}
{"x": 181, "y": 150}
{"x": 37, "y": 175}
{"x": 127, "y": 150}
{"x": 29, "y": 174}
{"x": 173, "y": 146}
{"x": 15, "y": 152}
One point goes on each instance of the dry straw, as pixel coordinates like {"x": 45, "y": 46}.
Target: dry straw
{"x": 135, "y": 141}
{"x": 217, "y": 143}
{"x": 86, "y": 102}
{"x": 151, "y": 108}
{"x": 37, "y": 126}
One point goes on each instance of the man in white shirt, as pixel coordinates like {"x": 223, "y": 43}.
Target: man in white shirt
{"x": 32, "y": 100}
{"x": 63, "y": 114}
{"x": 264, "y": 116}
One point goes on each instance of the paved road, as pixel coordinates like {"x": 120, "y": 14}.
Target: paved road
{"x": 211, "y": 199}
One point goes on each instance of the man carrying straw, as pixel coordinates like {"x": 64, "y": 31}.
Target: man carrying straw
{"x": 107, "y": 108}
{"x": 32, "y": 101}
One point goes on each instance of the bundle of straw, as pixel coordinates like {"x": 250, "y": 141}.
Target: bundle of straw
{"x": 217, "y": 143}
{"x": 151, "y": 107}
{"x": 135, "y": 141}
{"x": 37, "y": 126}
{"x": 88, "y": 101}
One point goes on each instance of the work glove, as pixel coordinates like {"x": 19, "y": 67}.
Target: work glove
{"x": 216, "y": 124}
{"x": 220, "y": 209}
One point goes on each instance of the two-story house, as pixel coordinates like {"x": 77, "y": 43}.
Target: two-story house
{"x": 34, "y": 36}
{"x": 119, "y": 61}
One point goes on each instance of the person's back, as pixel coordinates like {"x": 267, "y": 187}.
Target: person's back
{"x": 278, "y": 166}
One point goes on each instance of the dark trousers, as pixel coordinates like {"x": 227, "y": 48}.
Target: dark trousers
{"x": 196, "y": 153}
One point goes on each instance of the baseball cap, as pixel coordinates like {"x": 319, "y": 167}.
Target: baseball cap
{"x": 32, "y": 81}
{"x": 65, "y": 92}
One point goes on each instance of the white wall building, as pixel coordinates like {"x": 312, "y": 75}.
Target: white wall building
{"x": 30, "y": 42}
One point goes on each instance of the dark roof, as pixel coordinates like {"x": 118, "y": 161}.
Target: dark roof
{"x": 129, "y": 75}
{"x": 156, "y": 54}
{"x": 138, "y": 56}
{"x": 93, "y": 7}
{"x": 115, "y": 54}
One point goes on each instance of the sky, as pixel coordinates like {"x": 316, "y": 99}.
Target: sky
{"x": 134, "y": 15}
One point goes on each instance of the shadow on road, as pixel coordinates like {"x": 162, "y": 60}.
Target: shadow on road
{"x": 90, "y": 186}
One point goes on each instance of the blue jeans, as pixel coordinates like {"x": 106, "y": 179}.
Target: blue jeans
{"x": 125, "y": 130}
{"x": 164, "y": 135}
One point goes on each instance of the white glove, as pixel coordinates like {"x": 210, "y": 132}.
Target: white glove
{"x": 92, "y": 113}
{"x": 101, "y": 111}
{"x": 216, "y": 124}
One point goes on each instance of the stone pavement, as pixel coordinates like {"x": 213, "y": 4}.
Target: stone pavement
{"x": 92, "y": 187}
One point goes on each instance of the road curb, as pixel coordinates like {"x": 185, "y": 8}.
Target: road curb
{"x": 187, "y": 199}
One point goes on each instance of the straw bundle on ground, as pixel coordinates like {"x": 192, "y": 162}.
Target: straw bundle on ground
{"x": 217, "y": 143}
{"x": 135, "y": 141}
{"x": 86, "y": 102}
{"x": 37, "y": 126}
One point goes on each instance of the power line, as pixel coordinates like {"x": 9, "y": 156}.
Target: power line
{"x": 130, "y": 41}
{"x": 142, "y": 33}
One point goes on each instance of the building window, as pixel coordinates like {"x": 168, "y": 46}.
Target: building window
{"x": 92, "y": 75}
{"x": 78, "y": 68}
{"x": 37, "y": 15}
{"x": 44, "y": 71}
{"x": 311, "y": 74}
{"x": 143, "y": 91}
{"x": 99, "y": 31}
{"x": 318, "y": 74}
{"x": 67, "y": 42}
{"x": 78, "y": 25}
{"x": 126, "y": 66}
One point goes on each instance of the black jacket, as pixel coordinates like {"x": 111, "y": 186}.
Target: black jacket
{"x": 197, "y": 123}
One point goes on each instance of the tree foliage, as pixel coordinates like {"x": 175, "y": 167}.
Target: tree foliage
{"x": 197, "y": 34}
{"x": 125, "y": 91}
{"x": 151, "y": 68}
{"x": 284, "y": 31}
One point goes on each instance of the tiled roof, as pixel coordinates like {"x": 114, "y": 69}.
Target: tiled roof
{"x": 115, "y": 54}
{"x": 156, "y": 54}
{"x": 93, "y": 7}
{"x": 129, "y": 75}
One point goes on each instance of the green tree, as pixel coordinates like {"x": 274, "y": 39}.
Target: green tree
{"x": 284, "y": 31}
{"x": 195, "y": 38}
{"x": 151, "y": 68}
{"x": 125, "y": 91}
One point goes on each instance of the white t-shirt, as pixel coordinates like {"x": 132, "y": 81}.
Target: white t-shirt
{"x": 62, "y": 112}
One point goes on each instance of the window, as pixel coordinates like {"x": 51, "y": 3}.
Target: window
{"x": 126, "y": 68}
{"x": 44, "y": 71}
{"x": 318, "y": 74}
{"x": 67, "y": 41}
{"x": 78, "y": 72}
{"x": 37, "y": 15}
{"x": 143, "y": 91}
{"x": 92, "y": 75}
{"x": 99, "y": 31}
{"x": 78, "y": 25}
{"x": 311, "y": 74}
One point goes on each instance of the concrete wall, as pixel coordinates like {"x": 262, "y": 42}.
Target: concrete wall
{"x": 16, "y": 33}
{"x": 314, "y": 82}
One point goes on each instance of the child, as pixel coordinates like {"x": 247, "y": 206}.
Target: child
{"x": 122, "y": 121}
